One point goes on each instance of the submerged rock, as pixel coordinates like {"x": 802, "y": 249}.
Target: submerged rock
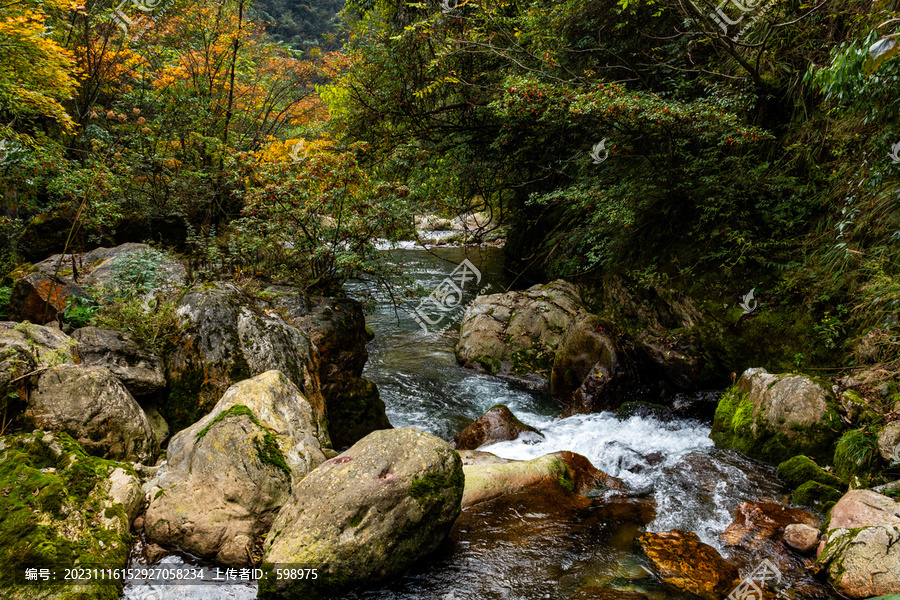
{"x": 498, "y": 424}
{"x": 566, "y": 473}
{"x": 774, "y": 417}
{"x": 687, "y": 565}
{"x": 61, "y": 509}
{"x": 139, "y": 368}
{"x": 800, "y": 537}
{"x": 760, "y": 523}
{"x": 92, "y": 406}
{"x": 229, "y": 474}
{"x": 367, "y": 514}
{"x": 862, "y": 551}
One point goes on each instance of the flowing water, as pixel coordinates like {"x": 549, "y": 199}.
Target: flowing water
{"x": 520, "y": 548}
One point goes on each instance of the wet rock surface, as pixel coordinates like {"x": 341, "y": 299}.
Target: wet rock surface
{"x": 139, "y": 368}
{"x": 687, "y": 565}
{"x": 498, "y": 424}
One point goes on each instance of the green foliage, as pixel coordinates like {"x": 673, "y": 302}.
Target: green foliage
{"x": 320, "y": 224}
{"x": 79, "y": 312}
{"x": 5, "y": 292}
{"x": 855, "y": 455}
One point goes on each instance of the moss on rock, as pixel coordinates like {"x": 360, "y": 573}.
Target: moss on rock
{"x": 817, "y": 496}
{"x": 801, "y": 469}
{"x": 56, "y": 514}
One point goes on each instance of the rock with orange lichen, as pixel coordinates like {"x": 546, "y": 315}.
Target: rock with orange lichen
{"x": 687, "y": 565}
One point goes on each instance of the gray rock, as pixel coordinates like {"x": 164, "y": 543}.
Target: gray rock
{"x": 92, "y": 406}
{"x": 97, "y": 267}
{"x": 889, "y": 442}
{"x": 139, "y": 368}
{"x": 774, "y": 417}
{"x": 228, "y": 337}
{"x": 367, "y": 514}
{"x": 229, "y": 474}
{"x": 801, "y": 538}
{"x": 518, "y": 333}
{"x": 337, "y": 329}
{"x": 862, "y": 554}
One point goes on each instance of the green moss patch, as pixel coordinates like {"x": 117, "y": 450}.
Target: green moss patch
{"x": 856, "y": 454}
{"x": 267, "y": 448}
{"x": 800, "y": 469}
{"x": 52, "y": 506}
{"x": 817, "y": 496}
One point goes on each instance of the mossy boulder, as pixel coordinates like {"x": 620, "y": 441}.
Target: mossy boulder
{"x": 25, "y": 348}
{"x": 228, "y": 337}
{"x": 498, "y": 424}
{"x": 517, "y": 334}
{"x": 367, "y": 514}
{"x": 800, "y": 469}
{"x": 229, "y": 474}
{"x": 774, "y": 417}
{"x": 61, "y": 508}
{"x": 856, "y": 456}
{"x": 816, "y": 495}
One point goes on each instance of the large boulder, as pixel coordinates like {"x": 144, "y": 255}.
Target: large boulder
{"x": 518, "y": 333}
{"x": 775, "y": 417}
{"x": 61, "y": 509}
{"x": 761, "y": 524}
{"x": 367, "y": 514}
{"x": 560, "y": 473}
{"x": 92, "y": 406}
{"x": 40, "y": 298}
{"x": 592, "y": 371}
{"x": 498, "y": 424}
{"x": 228, "y": 337}
{"x": 337, "y": 329}
{"x": 229, "y": 474}
{"x": 139, "y": 368}
{"x": 100, "y": 266}
{"x": 862, "y": 551}
{"x": 687, "y": 565}
{"x": 24, "y": 348}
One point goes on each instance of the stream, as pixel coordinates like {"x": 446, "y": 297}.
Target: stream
{"x": 516, "y": 548}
